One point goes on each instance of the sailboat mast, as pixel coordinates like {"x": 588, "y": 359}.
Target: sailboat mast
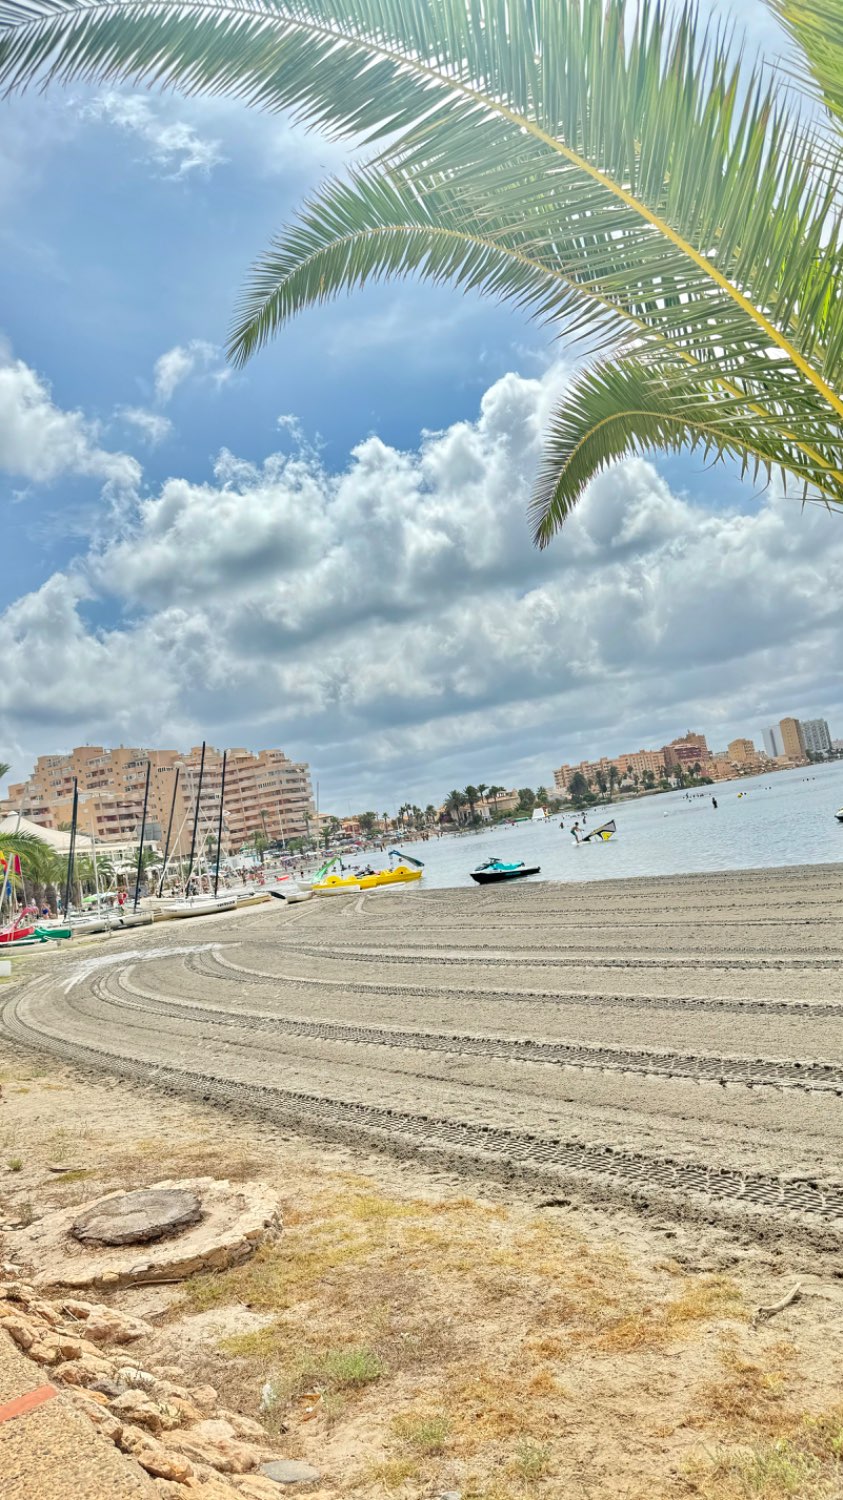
{"x": 169, "y": 832}
{"x": 71, "y": 853}
{"x": 142, "y": 832}
{"x": 195, "y": 818}
{"x": 219, "y": 825}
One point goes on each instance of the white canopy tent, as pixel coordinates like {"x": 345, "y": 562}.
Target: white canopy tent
{"x": 56, "y": 839}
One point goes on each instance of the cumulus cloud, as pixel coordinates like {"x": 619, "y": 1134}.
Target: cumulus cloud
{"x": 392, "y": 622}
{"x": 185, "y": 360}
{"x": 172, "y": 146}
{"x": 152, "y": 425}
{"x": 40, "y": 442}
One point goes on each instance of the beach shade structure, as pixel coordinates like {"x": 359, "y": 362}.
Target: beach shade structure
{"x": 604, "y": 832}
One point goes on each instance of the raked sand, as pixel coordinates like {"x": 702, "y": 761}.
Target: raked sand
{"x": 673, "y": 1042}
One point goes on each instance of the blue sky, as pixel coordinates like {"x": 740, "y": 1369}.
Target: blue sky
{"x": 328, "y": 551}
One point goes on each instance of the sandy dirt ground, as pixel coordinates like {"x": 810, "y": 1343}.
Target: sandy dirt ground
{"x": 542, "y": 1153}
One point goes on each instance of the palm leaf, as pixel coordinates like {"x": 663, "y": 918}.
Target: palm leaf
{"x": 816, "y": 27}
{"x": 632, "y": 406}
{"x": 586, "y": 161}
{"x": 27, "y": 845}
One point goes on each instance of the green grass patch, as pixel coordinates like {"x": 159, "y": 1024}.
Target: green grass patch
{"x": 423, "y": 1434}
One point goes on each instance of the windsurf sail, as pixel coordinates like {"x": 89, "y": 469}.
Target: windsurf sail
{"x": 604, "y": 832}
{"x": 406, "y": 859}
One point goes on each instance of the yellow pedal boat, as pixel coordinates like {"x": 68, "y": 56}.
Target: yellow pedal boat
{"x": 335, "y": 885}
{"x": 398, "y": 876}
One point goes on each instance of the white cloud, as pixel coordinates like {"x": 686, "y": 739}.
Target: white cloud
{"x": 185, "y": 360}
{"x": 172, "y": 145}
{"x": 150, "y": 424}
{"x": 393, "y": 623}
{"x": 41, "y": 442}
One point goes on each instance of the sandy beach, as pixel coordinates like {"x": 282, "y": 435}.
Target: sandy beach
{"x": 542, "y": 1156}
{"x": 673, "y": 1042}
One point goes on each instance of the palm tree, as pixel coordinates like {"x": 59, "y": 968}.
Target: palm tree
{"x": 614, "y": 778}
{"x": 471, "y": 795}
{"x": 430, "y": 814}
{"x": 541, "y": 795}
{"x": 611, "y": 169}
{"x": 454, "y": 804}
{"x": 494, "y": 793}
{"x": 578, "y": 787}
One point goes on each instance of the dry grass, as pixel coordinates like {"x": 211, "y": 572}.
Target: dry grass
{"x": 417, "y": 1344}
{"x": 808, "y": 1464}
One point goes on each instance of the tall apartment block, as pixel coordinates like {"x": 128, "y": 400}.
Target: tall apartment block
{"x": 264, "y": 793}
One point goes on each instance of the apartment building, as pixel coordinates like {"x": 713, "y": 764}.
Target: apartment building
{"x": 684, "y": 753}
{"x": 265, "y": 793}
{"x": 816, "y": 736}
{"x": 636, "y": 763}
{"x": 791, "y": 736}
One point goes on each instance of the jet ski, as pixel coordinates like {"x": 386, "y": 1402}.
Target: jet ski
{"x": 497, "y": 869}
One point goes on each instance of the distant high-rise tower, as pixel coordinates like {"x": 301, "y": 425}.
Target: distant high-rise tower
{"x": 773, "y": 741}
{"x": 816, "y": 736}
{"x": 791, "y": 737}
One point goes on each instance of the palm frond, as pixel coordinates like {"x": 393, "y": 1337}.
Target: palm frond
{"x": 27, "y": 845}
{"x": 816, "y": 26}
{"x": 374, "y": 226}
{"x": 589, "y": 161}
{"x": 634, "y": 406}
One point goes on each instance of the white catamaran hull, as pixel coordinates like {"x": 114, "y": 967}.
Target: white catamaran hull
{"x": 196, "y": 906}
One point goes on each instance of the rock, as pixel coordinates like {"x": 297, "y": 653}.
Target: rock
{"x": 103, "y": 1325}
{"x": 45, "y": 1352}
{"x": 137, "y": 1407}
{"x": 84, "y": 1371}
{"x": 258, "y": 1487}
{"x": 213, "y": 1430}
{"x": 106, "y": 1388}
{"x": 19, "y": 1329}
{"x": 214, "y": 1443}
{"x": 290, "y": 1471}
{"x": 205, "y": 1396}
{"x": 103, "y": 1420}
{"x": 130, "y": 1377}
{"x": 74, "y": 1348}
{"x": 187, "y": 1412}
{"x": 37, "y": 1308}
{"x": 244, "y": 1427}
{"x": 153, "y": 1456}
{"x": 137, "y": 1218}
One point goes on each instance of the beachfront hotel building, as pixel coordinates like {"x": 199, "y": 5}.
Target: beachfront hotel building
{"x": 792, "y": 742}
{"x": 266, "y": 793}
{"x": 816, "y": 736}
{"x": 740, "y": 751}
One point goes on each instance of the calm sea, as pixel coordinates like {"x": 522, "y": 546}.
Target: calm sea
{"x": 783, "y": 819}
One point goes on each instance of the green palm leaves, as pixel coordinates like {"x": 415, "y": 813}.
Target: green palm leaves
{"x": 817, "y": 28}
{"x": 609, "y": 170}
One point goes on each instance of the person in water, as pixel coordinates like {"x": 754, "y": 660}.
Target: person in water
{"x": 575, "y": 831}
{"x": 714, "y": 801}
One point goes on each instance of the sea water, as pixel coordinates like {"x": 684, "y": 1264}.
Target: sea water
{"x": 783, "y": 818}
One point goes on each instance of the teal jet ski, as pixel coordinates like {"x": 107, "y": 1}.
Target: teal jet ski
{"x": 496, "y": 869}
